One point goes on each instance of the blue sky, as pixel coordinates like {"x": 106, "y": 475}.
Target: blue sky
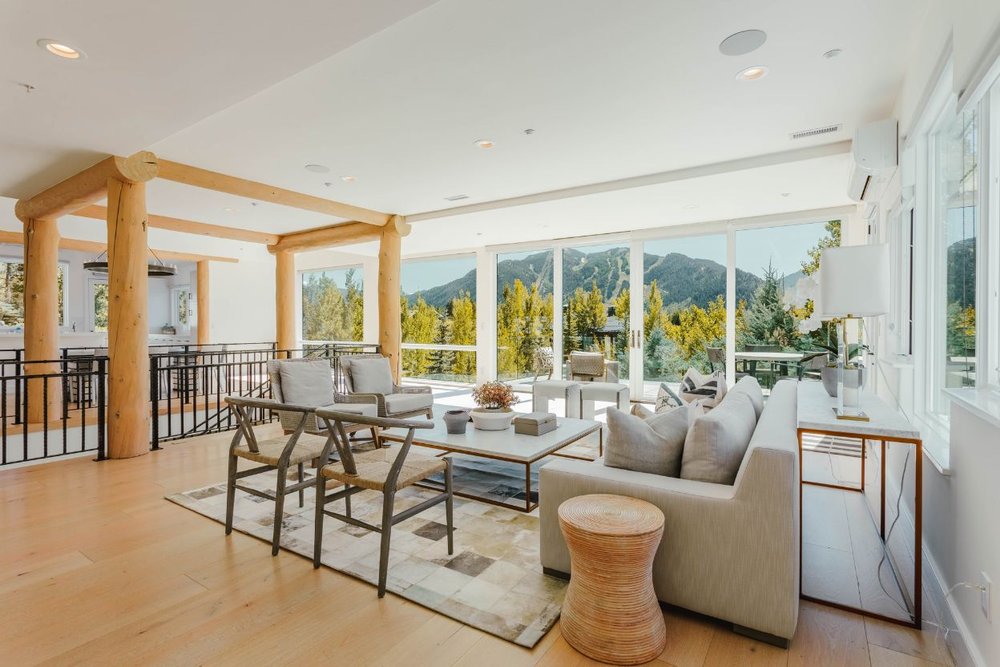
{"x": 420, "y": 274}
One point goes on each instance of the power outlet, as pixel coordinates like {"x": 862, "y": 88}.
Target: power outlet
{"x": 985, "y": 595}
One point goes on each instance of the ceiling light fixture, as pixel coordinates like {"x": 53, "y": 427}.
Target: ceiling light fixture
{"x": 832, "y": 53}
{"x": 485, "y": 143}
{"x": 752, "y": 73}
{"x": 317, "y": 168}
{"x": 348, "y": 179}
{"x": 60, "y": 49}
{"x": 743, "y": 42}
{"x": 456, "y": 197}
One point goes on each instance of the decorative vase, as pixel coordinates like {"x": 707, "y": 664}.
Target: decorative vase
{"x": 854, "y": 378}
{"x": 456, "y": 421}
{"x": 492, "y": 419}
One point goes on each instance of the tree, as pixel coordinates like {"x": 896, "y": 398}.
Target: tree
{"x": 832, "y": 240}
{"x": 583, "y": 315}
{"x": 355, "y": 301}
{"x": 420, "y": 326}
{"x": 767, "y": 320}
{"x": 463, "y": 332}
{"x": 654, "y": 310}
{"x": 622, "y": 305}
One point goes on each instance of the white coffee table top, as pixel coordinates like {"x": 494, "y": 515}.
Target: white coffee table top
{"x": 815, "y": 412}
{"x": 503, "y": 445}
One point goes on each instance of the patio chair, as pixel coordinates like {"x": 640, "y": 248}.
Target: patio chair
{"x": 592, "y": 367}
{"x": 717, "y": 361}
{"x": 383, "y": 470}
{"x": 766, "y": 372}
{"x": 812, "y": 365}
{"x": 367, "y": 377}
{"x": 543, "y": 362}
{"x": 278, "y": 454}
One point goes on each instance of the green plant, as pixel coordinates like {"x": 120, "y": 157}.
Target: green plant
{"x": 494, "y": 395}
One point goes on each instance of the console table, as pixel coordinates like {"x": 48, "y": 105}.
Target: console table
{"x": 886, "y": 425}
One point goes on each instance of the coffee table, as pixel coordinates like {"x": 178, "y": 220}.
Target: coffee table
{"x": 506, "y": 446}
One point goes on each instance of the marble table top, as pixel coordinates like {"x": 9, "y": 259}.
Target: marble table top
{"x": 815, "y": 412}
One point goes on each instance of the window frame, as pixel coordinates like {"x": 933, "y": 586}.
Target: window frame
{"x": 91, "y": 310}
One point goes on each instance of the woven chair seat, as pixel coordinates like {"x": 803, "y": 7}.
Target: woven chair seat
{"x": 373, "y": 467}
{"x": 307, "y": 448}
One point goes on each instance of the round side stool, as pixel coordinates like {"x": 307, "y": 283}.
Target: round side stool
{"x": 610, "y": 612}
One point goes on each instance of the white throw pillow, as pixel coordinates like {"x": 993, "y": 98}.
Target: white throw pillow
{"x": 706, "y": 389}
{"x": 306, "y": 383}
{"x": 717, "y": 441}
{"x": 653, "y": 445}
{"x": 371, "y": 376}
{"x": 667, "y": 399}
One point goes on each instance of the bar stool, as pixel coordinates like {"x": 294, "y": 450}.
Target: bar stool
{"x": 602, "y": 391}
{"x": 545, "y": 390}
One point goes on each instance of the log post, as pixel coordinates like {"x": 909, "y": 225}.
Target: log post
{"x": 284, "y": 299}
{"x": 41, "y": 317}
{"x": 389, "y": 326}
{"x": 204, "y": 322}
{"x": 128, "y": 321}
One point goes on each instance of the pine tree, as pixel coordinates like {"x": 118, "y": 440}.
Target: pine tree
{"x": 767, "y": 320}
{"x": 463, "y": 332}
{"x": 654, "y": 310}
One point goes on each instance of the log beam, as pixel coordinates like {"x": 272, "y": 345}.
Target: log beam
{"x": 128, "y": 321}
{"x": 41, "y": 318}
{"x": 204, "y": 315}
{"x": 241, "y": 187}
{"x": 87, "y": 187}
{"x": 389, "y": 325}
{"x": 16, "y": 238}
{"x": 284, "y": 299}
{"x": 188, "y": 226}
{"x": 327, "y": 237}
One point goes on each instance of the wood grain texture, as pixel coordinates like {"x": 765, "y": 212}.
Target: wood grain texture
{"x": 96, "y": 247}
{"x": 128, "y": 321}
{"x": 389, "y": 325}
{"x": 41, "y": 317}
{"x": 326, "y": 237}
{"x": 284, "y": 299}
{"x": 204, "y": 311}
{"x": 188, "y": 226}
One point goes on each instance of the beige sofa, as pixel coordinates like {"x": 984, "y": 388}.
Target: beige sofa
{"x": 730, "y": 552}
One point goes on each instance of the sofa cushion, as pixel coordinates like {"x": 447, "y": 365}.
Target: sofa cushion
{"x": 651, "y": 445}
{"x": 666, "y": 398}
{"x": 717, "y": 441}
{"x": 371, "y": 375}
{"x": 709, "y": 390}
{"x": 396, "y": 403}
{"x": 748, "y": 385}
{"x": 306, "y": 383}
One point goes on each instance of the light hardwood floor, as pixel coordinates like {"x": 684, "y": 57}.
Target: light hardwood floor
{"x": 97, "y": 568}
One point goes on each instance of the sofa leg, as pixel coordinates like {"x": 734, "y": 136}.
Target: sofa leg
{"x": 555, "y": 573}
{"x": 773, "y": 640}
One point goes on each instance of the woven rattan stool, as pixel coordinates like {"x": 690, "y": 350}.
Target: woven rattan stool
{"x": 610, "y": 612}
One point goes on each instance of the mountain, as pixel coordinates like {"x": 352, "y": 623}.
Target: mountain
{"x": 681, "y": 279}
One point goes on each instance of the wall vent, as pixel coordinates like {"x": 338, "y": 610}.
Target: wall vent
{"x": 456, "y": 197}
{"x": 816, "y": 131}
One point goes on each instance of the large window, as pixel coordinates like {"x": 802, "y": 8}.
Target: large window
{"x": 12, "y": 291}
{"x": 99, "y": 304}
{"x": 524, "y": 315}
{"x": 333, "y": 305}
{"x": 438, "y": 312}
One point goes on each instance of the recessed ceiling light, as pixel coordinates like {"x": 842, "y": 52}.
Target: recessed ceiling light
{"x": 742, "y": 43}
{"x": 529, "y": 131}
{"x": 833, "y": 53}
{"x": 317, "y": 168}
{"x": 485, "y": 143}
{"x": 348, "y": 179}
{"x": 752, "y": 73}
{"x": 60, "y": 49}
{"x": 786, "y": 194}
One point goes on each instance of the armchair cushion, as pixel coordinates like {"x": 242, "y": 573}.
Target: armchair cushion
{"x": 306, "y": 383}
{"x": 408, "y": 402}
{"x": 371, "y": 375}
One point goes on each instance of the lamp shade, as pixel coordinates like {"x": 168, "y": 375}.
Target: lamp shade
{"x": 854, "y": 281}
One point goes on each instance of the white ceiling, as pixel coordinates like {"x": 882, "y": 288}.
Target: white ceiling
{"x": 612, "y": 90}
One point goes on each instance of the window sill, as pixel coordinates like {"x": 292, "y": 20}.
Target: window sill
{"x": 936, "y": 441}
{"x": 983, "y": 403}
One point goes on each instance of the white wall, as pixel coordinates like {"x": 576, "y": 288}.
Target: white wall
{"x": 241, "y": 297}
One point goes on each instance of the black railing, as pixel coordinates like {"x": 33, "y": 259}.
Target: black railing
{"x": 36, "y": 425}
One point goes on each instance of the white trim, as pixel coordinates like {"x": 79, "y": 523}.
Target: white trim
{"x": 446, "y": 347}
{"x": 731, "y": 305}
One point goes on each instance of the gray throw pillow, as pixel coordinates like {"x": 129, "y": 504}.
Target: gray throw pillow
{"x": 748, "y": 385}
{"x": 651, "y": 445}
{"x": 371, "y": 376}
{"x": 666, "y": 398}
{"x": 306, "y": 383}
{"x": 717, "y": 441}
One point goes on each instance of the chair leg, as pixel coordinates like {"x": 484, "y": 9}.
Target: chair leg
{"x": 279, "y": 510}
{"x": 231, "y": 493}
{"x": 449, "y": 506}
{"x": 375, "y": 438}
{"x": 318, "y": 535}
{"x": 302, "y": 492}
{"x": 388, "y": 500}
{"x": 347, "y": 501}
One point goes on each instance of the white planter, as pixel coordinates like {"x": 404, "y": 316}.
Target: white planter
{"x": 492, "y": 420}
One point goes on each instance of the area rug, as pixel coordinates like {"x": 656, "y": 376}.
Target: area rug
{"x": 493, "y": 581}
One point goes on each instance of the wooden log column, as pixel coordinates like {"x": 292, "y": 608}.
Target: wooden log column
{"x": 284, "y": 299}
{"x": 128, "y": 321}
{"x": 389, "y": 325}
{"x": 204, "y": 315}
{"x": 41, "y": 317}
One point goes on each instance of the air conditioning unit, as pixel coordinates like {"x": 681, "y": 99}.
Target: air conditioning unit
{"x": 874, "y": 153}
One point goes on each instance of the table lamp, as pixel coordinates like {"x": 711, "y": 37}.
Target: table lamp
{"x": 854, "y": 284}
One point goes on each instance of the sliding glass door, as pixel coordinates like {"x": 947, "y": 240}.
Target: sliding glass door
{"x": 524, "y": 322}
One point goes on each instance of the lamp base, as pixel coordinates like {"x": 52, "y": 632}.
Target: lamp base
{"x": 852, "y": 414}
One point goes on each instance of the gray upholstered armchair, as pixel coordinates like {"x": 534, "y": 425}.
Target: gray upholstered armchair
{"x": 309, "y": 382}
{"x": 367, "y": 377}
{"x": 592, "y": 367}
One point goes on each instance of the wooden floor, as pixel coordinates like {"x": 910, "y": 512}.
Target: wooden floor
{"x": 97, "y": 568}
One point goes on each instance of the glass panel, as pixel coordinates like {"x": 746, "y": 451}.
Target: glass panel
{"x": 684, "y": 314}
{"x": 438, "y": 313}
{"x": 775, "y": 289}
{"x": 595, "y": 305}
{"x": 12, "y": 292}
{"x": 956, "y": 216}
{"x": 524, "y": 315}
{"x": 333, "y": 305}
{"x": 99, "y": 297}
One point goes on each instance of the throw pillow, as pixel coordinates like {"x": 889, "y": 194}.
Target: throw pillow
{"x": 654, "y": 445}
{"x": 709, "y": 389}
{"x": 306, "y": 383}
{"x": 371, "y": 375}
{"x": 641, "y": 411}
{"x": 666, "y": 398}
{"x": 748, "y": 385}
{"x": 717, "y": 441}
